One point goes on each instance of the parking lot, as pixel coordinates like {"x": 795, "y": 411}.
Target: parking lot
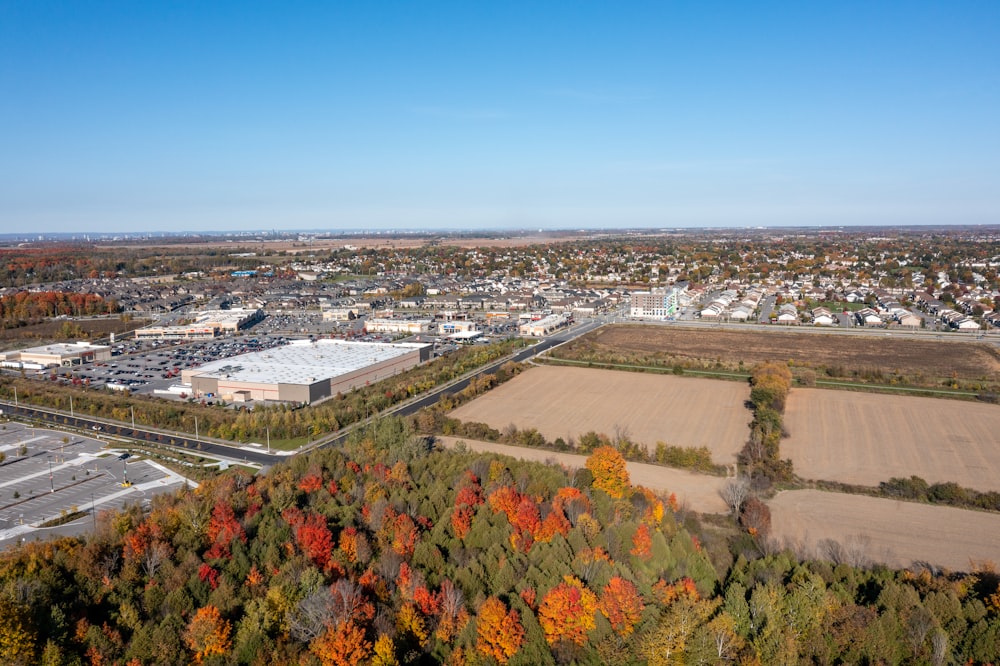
{"x": 156, "y": 365}
{"x": 47, "y": 474}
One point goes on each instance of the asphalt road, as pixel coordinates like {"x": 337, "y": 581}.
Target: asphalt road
{"x": 209, "y": 448}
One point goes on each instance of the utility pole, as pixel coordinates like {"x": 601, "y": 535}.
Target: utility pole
{"x": 15, "y": 396}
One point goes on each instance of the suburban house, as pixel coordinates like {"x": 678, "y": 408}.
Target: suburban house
{"x": 787, "y": 314}
{"x": 823, "y": 317}
{"x": 868, "y": 317}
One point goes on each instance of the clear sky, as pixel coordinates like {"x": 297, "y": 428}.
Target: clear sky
{"x": 169, "y": 116}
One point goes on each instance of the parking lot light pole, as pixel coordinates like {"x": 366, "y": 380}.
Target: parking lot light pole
{"x": 196, "y": 428}
{"x": 71, "y": 407}
{"x": 52, "y": 483}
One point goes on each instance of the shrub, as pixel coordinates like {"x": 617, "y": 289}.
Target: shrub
{"x": 911, "y": 488}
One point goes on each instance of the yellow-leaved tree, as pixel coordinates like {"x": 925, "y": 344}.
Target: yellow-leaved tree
{"x": 17, "y": 640}
{"x": 608, "y": 468}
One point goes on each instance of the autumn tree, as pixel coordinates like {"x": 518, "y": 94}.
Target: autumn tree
{"x": 642, "y": 542}
{"x": 608, "y": 468}
{"x": 498, "y": 630}
{"x": 208, "y": 633}
{"x": 755, "y": 517}
{"x": 223, "y": 528}
{"x": 315, "y": 539}
{"x": 567, "y": 612}
{"x": 622, "y": 604}
{"x": 17, "y": 641}
{"x": 341, "y": 645}
{"x": 468, "y": 498}
{"x": 453, "y": 616}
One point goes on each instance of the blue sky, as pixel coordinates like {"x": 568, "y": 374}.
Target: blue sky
{"x": 169, "y": 116}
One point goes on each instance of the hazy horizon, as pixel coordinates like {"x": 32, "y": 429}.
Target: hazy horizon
{"x": 181, "y": 117}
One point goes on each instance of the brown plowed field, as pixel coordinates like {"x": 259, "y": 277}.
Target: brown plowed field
{"x": 865, "y": 438}
{"x": 895, "y": 533}
{"x": 914, "y": 358}
{"x": 568, "y": 402}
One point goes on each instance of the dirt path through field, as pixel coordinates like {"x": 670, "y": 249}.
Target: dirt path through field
{"x": 892, "y": 532}
{"x": 866, "y": 438}
{"x": 699, "y": 492}
{"x": 649, "y": 408}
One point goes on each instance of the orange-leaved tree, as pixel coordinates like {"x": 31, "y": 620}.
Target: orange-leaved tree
{"x": 567, "y": 612}
{"x": 622, "y": 604}
{"x": 642, "y": 542}
{"x": 608, "y": 468}
{"x": 342, "y": 645}
{"x": 208, "y": 633}
{"x": 500, "y": 634}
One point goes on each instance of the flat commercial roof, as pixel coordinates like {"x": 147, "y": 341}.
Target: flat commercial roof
{"x": 304, "y": 361}
{"x": 63, "y": 348}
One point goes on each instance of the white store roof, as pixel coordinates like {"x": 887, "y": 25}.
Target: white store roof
{"x": 304, "y": 361}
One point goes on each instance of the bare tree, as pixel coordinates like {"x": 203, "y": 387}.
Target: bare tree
{"x": 735, "y": 492}
{"x": 622, "y": 434}
{"x": 346, "y": 601}
{"x": 854, "y": 550}
{"x": 154, "y": 556}
{"x": 452, "y": 601}
{"x": 918, "y": 625}
{"x": 311, "y": 615}
{"x": 858, "y": 546}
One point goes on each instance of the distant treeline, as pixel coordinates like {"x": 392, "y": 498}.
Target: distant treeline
{"x": 29, "y": 307}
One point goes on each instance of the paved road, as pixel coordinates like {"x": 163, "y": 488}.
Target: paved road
{"x": 208, "y": 447}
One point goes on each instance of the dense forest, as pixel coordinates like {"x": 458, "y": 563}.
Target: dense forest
{"x": 28, "y": 307}
{"x": 389, "y": 552}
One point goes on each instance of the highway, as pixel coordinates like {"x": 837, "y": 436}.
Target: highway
{"x": 106, "y": 427}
